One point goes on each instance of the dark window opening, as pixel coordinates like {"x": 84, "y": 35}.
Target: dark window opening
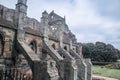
{"x": 1, "y": 44}
{"x": 33, "y": 45}
{"x": 54, "y": 47}
{"x": 65, "y": 47}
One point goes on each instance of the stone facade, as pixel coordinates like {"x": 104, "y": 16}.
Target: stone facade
{"x": 47, "y": 47}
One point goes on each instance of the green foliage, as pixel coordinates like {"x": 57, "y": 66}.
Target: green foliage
{"x": 101, "y": 70}
{"x": 100, "y": 52}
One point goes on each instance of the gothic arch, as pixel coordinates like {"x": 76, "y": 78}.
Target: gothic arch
{"x": 53, "y": 45}
{"x": 33, "y": 45}
{"x": 65, "y": 47}
{"x": 2, "y": 38}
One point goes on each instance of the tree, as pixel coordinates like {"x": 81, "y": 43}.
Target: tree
{"x": 100, "y": 52}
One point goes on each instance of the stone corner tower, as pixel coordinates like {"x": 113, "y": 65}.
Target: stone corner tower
{"x": 44, "y": 24}
{"x": 20, "y": 17}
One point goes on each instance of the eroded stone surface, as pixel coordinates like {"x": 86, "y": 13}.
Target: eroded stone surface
{"x": 45, "y": 46}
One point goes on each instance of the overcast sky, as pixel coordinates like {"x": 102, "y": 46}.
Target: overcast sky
{"x": 89, "y": 20}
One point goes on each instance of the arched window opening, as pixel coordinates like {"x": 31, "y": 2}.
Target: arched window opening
{"x": 33, "y": 45}
{"x": 1, "y": 44}
{"x": 54, "y": 47}
{"x": 65, "y": 47}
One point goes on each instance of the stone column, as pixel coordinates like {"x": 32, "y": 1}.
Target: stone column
{"x": 74, "y": 70}
{"x": 60, "y": 35}
{"x": 44, "y": 25}
{"x": 82, "y": 69}
{"x": 21, "y": 34}
{"x": 89, "y": 69}
{"x": 52, "y": 69}
{"x": 71, "y": 44}
{"x": 20, "y": 17}
{"x": 70, "y": 72}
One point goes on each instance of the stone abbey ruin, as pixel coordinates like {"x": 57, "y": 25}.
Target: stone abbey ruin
{"x": 39, "y": 50}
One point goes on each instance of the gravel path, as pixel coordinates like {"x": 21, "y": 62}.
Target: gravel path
{"x": 97, "y": 77}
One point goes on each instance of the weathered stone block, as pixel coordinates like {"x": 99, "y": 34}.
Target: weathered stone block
{"x": 82, "y": 69}
{"x": 89, "y": 69}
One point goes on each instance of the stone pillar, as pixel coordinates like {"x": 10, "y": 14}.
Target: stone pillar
{"x": 52, "y": 69}
{"x": 89, "y": 69}
{"x": 59, "y": 32}
{"x": 70, "y": 72}
{"x": 20, "y": 17}
{"x": 74, "y": 70}
{"x": 82, "y": 69}
{"x": 60, "y": 35}
{"x": 37, "y": 70}
{"x": 44, "y": 25}
{"x": 71, "y": 44}
{"x": 61, "y": 41}
{"x": 20, "y": 34}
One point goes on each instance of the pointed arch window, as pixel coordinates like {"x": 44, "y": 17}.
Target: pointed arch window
{"x": 1, "y": 44}
{"x": 33, "y": 45}
{"x": 54, "y": 47}
{"x": 65, "y": 47}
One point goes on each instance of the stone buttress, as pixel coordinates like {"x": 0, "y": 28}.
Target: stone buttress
{"x": 48, "y": 46}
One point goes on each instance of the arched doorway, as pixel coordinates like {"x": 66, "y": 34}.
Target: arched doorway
{"x": 1, "y": 43}
{"x": 33, "y": 45}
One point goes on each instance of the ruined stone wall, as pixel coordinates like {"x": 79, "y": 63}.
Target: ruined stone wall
{"x": 29, "y": 38}
{"x": 54, "y": 17}
{"x": 8, "y": 41}
{"x": 7, "y": 14}
{"x": 51, "y": 43}
{"x": 35, "y": 46}
{"x": 32, "y": 23}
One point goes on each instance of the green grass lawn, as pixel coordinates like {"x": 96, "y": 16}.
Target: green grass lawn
{"x": 113, "y": 73}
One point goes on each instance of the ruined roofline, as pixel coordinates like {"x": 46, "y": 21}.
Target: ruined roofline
{"x": 53, "y": 13}
{"x": 7, "y": 24}
{"x": 35, "y": 20}
{"x": 6, "y": 7}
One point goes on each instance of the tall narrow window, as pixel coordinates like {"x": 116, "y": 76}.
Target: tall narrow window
{"x": 33, "y": 45}
{"x": 65, "y": 47}
{"x": 1, "y": 44}
{"x": 53, "y": 45}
